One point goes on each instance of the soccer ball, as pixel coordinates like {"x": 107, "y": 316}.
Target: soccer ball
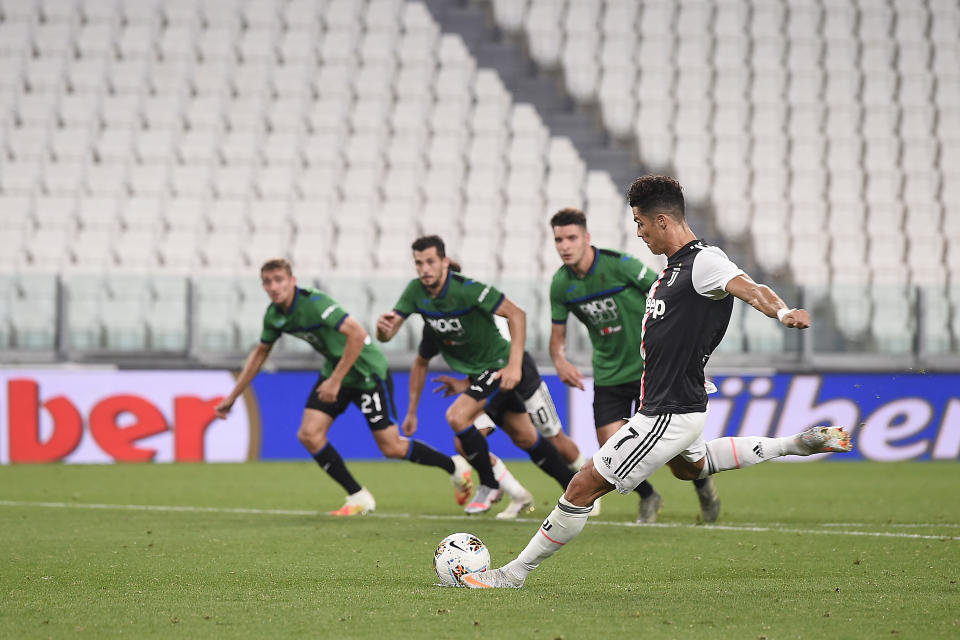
{"x": 457, "y": 555}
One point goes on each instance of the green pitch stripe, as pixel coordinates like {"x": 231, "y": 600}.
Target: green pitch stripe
{"x": 833, "y": 528}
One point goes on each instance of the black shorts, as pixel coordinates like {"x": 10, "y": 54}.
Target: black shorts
{"x": 498, "y": 402}
{"x": 376, "y": 405}
{"x": 613, "y": 403}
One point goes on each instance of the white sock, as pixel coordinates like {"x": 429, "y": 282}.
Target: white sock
{"x": 508, "y": 483}
{"x": 578, "y": 463}
{"x": 561, "y": 526}
{"x": 724, "y": 454}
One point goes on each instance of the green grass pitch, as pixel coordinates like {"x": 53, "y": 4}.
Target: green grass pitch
{"x": 818, "y": 550}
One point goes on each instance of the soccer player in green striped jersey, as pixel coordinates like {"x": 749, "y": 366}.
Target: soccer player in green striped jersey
{"x": 458, "y": 312}
{"x": 354, "y": 371}
{"x": 607, "y": 291}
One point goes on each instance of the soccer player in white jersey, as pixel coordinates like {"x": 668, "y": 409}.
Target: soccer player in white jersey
{"x": 687, "y": 313}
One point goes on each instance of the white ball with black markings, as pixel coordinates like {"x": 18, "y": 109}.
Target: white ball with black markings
{"x": 459, "y": 554}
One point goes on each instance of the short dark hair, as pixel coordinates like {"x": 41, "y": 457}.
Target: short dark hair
{"x": 569, "y": 215}
{"x": 455, "y": 266}
{"x": 277, "y": 263}
{"x": 657, "y": 194}
{"x": 425, "y": 242}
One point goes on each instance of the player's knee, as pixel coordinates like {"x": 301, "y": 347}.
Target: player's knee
{"x": 395, "y": 449}
{"x": 311, "y": 440}
{"x": 525, "y": 440}
{"x": 683, "y": 469}
{"x": 456, "y": 420}
{"x": 583, "y": 488}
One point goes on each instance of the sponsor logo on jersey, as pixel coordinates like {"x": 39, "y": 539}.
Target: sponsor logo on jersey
{"x": 656, "y": 307}
{"x": 446, "y": 325}
{"x": 606, "y": 331}
{"x": 673, "y": 276}
{"x": 309, "y": 337}
{"x": 600, "y": 310}
{"x": 328, "y": 311}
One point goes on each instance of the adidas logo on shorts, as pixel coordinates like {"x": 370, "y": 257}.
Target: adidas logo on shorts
{"x": 607, "y": 461}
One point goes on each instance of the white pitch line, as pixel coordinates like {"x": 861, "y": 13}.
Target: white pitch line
{"x": 900, "y": 525}
{"x": 395, "y": 516}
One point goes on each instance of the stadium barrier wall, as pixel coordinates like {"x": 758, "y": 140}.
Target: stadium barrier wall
{"x": 100, "y": 416}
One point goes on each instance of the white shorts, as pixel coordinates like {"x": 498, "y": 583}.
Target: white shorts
{"x": 646, "y": 443}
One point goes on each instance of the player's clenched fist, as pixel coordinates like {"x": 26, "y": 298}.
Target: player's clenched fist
{"x": 796, "y": 319}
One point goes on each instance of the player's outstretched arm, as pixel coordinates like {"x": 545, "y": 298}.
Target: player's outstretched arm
{"x": 517, "y": 322}
{"x": 766, "y": 301}
{"x": 566, "y": 370}
{"x": 388, "y": 324}
{"x": 250, "y": 368}
{"x": 418, "y": 377}
{"x": 356, "y": 336}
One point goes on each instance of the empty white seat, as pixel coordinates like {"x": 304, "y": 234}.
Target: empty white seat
{"x": 329, "y": 115}
{"x": 227, "y": 215}
{"x": 184, "y": 215}
{"x": 191, "y": 180}
{"x": 240, "y": 147}
{"x": 257, "y": 43}
{"x": 47, "y": 249}
{"x": 232, "y": 181}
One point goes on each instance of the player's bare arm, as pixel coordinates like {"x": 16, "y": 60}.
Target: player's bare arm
{"x": 766, "y": 301}
{"x": 418, "y": 377}
{"x": 250, "y": 369}
{"x": 566, "y": 370}
{"x": 517, "y": 322}
{"x": 388, "y": 324}
{"x": 356, "y": 335}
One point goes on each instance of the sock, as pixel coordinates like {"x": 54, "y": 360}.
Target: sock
{"x": 644, "y": 489}
{"x": 331, "y": 462}
{"x": 577, "y": 464}
{"x": 561, "y": 526}
{"x": 478, "y": 455}
{"x": 724, "y": 454}
{"x": 422, "y": 453}
{"x": 699, "y": 482}
{"x": 546, "y": 456}
{"x": 509, "y": 484}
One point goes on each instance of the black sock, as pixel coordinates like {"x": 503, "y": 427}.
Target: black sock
{"x": 331, "y": 462}
{"x": 546, "y": 456}
{"x": 699, "y": 482}
{"x": 645, "y": 489}
{"x": 424, "y": 454}
{"x": 477, "y": 453}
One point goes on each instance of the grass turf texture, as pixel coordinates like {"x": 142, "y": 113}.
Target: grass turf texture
{"x": 103, "y": 572}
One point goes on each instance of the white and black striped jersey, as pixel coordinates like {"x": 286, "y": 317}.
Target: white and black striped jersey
{"x": 688, "y": 309}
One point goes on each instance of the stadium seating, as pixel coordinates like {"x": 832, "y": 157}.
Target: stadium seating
{"x": 183, "y": 138}
{"x": 748, "y": 102}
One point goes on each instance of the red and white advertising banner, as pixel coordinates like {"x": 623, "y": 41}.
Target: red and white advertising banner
{"x": 98, "y": 416}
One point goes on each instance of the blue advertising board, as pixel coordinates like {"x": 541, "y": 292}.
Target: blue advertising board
{"x": 281, "y": 397}
{"x": 893, "y": 416}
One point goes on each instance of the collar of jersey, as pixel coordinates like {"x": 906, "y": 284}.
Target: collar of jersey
{"x": 596, "y": 258}
{"x": 686, "y": 248}
{"x": 446, "y": 285}
{"x": 296, "y": 294}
